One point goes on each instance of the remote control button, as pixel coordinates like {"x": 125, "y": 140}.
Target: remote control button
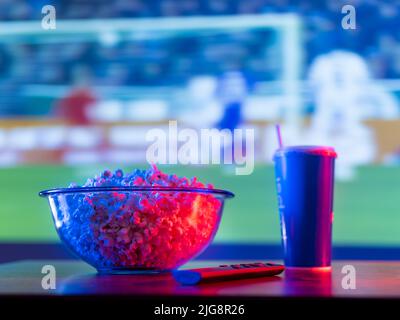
{"x": 258, "y": 264}
{"x": 236, "y": 266}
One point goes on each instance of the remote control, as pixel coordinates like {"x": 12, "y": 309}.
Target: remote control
{"x": 227, "y": 272}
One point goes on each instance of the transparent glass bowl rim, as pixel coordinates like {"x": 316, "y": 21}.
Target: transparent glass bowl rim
{"x": 217, "y": 192}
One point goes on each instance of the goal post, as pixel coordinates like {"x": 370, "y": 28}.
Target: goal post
{"x": 288, "y": 27}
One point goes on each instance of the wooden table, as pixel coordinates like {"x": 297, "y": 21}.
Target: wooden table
{"x": 373, "y": 280}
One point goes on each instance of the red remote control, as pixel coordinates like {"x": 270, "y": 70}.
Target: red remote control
{"x": 227, "y": 272}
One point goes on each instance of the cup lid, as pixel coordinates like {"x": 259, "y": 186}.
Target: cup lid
{"x": 311, "y": 150}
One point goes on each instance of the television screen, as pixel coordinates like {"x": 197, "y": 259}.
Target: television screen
{"x": 91, "y": 85}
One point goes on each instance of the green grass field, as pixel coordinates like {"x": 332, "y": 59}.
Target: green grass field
{"x": 367, "y": 210}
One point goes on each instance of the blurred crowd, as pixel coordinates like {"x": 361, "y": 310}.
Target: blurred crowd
{"x": 171, "y": 61}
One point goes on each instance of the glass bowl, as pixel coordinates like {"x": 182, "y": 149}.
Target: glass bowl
{"x": 136, "y": 229}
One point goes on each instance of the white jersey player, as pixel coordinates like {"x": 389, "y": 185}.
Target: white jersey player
{"x": 344, "y": 95}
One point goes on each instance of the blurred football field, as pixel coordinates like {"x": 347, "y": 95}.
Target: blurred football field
{"x": 367, "y": 210}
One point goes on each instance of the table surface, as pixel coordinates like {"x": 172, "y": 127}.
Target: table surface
{"x": 374, "y": 279}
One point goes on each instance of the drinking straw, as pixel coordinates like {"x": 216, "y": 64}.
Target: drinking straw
{"x": 279, "y": 136}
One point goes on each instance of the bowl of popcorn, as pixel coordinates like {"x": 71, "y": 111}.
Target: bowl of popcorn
{"x": 143, "y": 222}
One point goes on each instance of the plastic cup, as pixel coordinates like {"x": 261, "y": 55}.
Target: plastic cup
{"x": 305, "y": 183}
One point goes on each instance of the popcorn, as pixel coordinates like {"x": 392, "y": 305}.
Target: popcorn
{"x": 140, "y": 229}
